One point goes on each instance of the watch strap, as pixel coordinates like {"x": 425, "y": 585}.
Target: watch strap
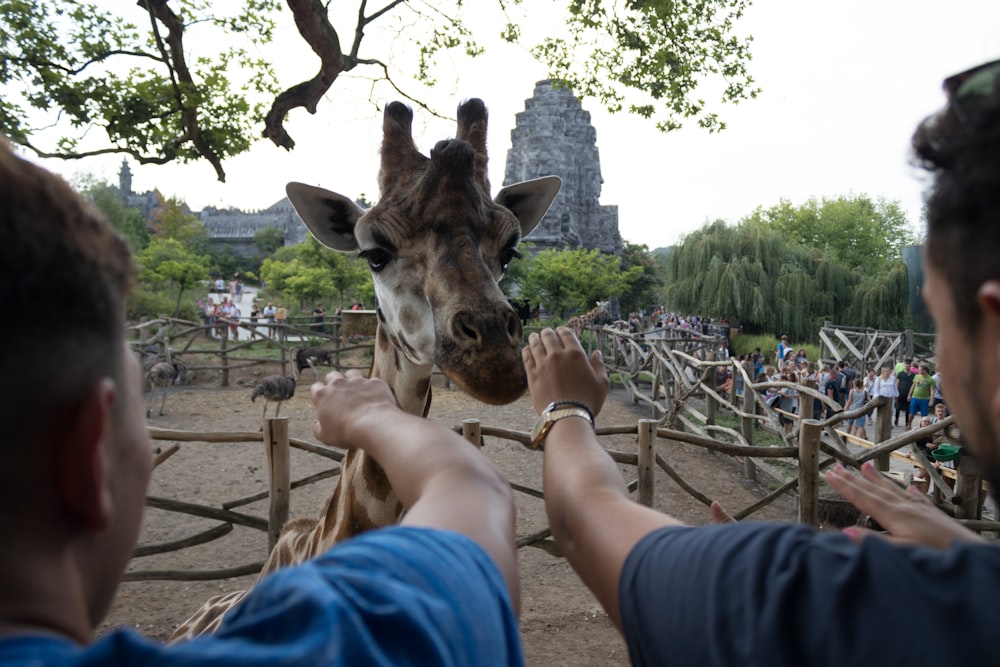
{"x": 551, "y": 415}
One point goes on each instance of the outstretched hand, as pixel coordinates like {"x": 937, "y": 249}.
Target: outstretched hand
{"x": 908, "y": 516}
{"x": 344, "y": 401}
{"x": 559, "y": 370}
{"x": 719, "y": 514}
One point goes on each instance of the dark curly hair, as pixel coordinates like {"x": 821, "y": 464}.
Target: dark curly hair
{"x": 960, "y": 146}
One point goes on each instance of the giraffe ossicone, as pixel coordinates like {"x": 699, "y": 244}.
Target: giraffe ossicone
{"x": 437, "y": 245}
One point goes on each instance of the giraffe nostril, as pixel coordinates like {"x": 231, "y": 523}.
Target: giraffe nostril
{"x": 514, "y": 331}
{"x": 467, "y": 328}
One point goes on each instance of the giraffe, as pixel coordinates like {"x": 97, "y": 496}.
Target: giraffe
{"x": 436, "y": 245}
{"x": 577, "y": 323}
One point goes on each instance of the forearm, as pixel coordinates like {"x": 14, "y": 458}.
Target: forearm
{"x": 594, "y": 522}
{"x": 445, "y": 482}
{"x": 418, "y": 454}
{"x": 576, "y": 470}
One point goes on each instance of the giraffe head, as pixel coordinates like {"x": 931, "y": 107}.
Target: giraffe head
{"x": 437, "y": 244}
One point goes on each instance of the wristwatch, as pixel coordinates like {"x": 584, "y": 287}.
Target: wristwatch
{"x": 552, "y": 413}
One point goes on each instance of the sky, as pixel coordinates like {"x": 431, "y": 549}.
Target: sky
{"x": 844, "y": 85}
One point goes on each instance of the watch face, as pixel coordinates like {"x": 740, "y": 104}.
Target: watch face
{"x": 538, "y": 432}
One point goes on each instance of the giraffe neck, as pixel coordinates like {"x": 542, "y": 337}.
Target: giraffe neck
{"x": 410, "y": 383}
{"x": 363, "y": 498}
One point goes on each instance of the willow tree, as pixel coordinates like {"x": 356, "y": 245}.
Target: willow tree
{"x": 755, "y": 274}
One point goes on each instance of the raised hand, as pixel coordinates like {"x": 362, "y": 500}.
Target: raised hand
{"x": 559, "y": 370}
{"x": 907, "y": 515}
{"x": 345, "y": 401}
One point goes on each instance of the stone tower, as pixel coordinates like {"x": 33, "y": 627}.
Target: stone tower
{"x": 125, "y": 178}
{"x": 553, "y": 135}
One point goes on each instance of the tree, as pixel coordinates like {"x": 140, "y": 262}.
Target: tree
{"x": 269, "y": 239}
{"x": 641, "y": 293}
{"x": 168, "y": 261}
{"x": 173, "y": 220}
{"x": 129, "y": 222}
{"x": 565, "y": 282}
{"x": 188, "y": 80}
{"x": 853, "y": 229}
{"x": 761, "y": 275}
{"x": 311, "y": 272}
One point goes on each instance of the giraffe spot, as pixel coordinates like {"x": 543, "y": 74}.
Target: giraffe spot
{"x": 409, "y": 319}
{"x": 422, "y": 387}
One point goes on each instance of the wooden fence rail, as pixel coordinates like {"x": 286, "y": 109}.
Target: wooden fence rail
{"x": 232, "y": 354}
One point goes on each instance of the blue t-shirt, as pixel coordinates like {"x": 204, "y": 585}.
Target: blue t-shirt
{"x": 395, "y": 596}
{"x": 783, "y": 594}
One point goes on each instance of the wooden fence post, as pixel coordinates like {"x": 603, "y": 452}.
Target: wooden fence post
{"x": 708, "y": 380}
{"x": 968, "y": 486}
{"x": 810, "y": 433}
{"x": 883, "y": 431}
{"x": 746, "y": 428}
{"x": 282, "y": 345}
{"x": 279, "y": 476}
{"x": 647, "y": 436}
{"x": 223, "y": 355}
{"x": 472, "y": 431}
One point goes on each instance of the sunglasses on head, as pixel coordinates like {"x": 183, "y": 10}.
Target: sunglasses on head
{"x": 967, "y": 91}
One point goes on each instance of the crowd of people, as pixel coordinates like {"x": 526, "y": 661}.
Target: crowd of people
{"x": 911, "y": 388}
{"x": 443, "y": 587}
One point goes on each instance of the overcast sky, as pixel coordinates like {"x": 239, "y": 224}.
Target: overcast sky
{"x": 844, "y": 85}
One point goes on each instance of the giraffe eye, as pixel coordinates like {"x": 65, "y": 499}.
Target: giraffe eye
{"x": 377, "y": 258}
{"x": 507, "y": 256}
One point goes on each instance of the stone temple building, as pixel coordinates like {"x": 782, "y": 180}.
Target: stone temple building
{"x": 553, "y": 136}
{"x": 228, "y": 227}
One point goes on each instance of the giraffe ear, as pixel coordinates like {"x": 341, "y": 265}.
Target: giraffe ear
{"x": 329, "y": 216}
{"x": 529, "y": 200}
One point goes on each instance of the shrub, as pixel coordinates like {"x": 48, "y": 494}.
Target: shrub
{"x": 152, "y": 304}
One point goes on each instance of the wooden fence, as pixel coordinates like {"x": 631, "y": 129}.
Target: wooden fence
{"x": 675, "y": 376}
{"x": 277, "y": 445}
{"x": 684, "y": 396}
{"x": 873, "y": 348}
{"x": 169, "y": 339}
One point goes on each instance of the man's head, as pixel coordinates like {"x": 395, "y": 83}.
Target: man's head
{"x": 75, "y": 457}
{"x": 960, "y": 146}
{"x": 940, "y": 410}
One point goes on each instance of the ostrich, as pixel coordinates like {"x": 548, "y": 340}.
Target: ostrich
{"x": 274, "y": 388}
{"x": 310, "y": 356}
{"x": 162, "y": 375}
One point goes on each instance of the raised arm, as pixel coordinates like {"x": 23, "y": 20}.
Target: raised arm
{"x": 442, "y": 480}
{"x": 594, "y": 522}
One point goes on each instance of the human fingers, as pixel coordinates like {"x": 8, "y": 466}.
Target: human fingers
{"x": 719, "y": 515}
{"x": 870, "y": 492}
{"x": 568, "y": 338}
{"x": 558, "y": 370}
{"x": 601, "y": 373}
{"x": 551, "y": 341}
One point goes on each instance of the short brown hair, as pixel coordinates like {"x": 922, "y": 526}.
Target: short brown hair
{"x": 64, "y": 277}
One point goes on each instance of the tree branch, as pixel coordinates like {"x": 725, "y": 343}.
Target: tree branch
{"x": 180, "y": 76}
{"x": 139, "y": 157}
{"x": 314, "y": 26}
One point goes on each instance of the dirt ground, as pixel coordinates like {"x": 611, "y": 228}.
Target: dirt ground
{"x": 561, "y": 622}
